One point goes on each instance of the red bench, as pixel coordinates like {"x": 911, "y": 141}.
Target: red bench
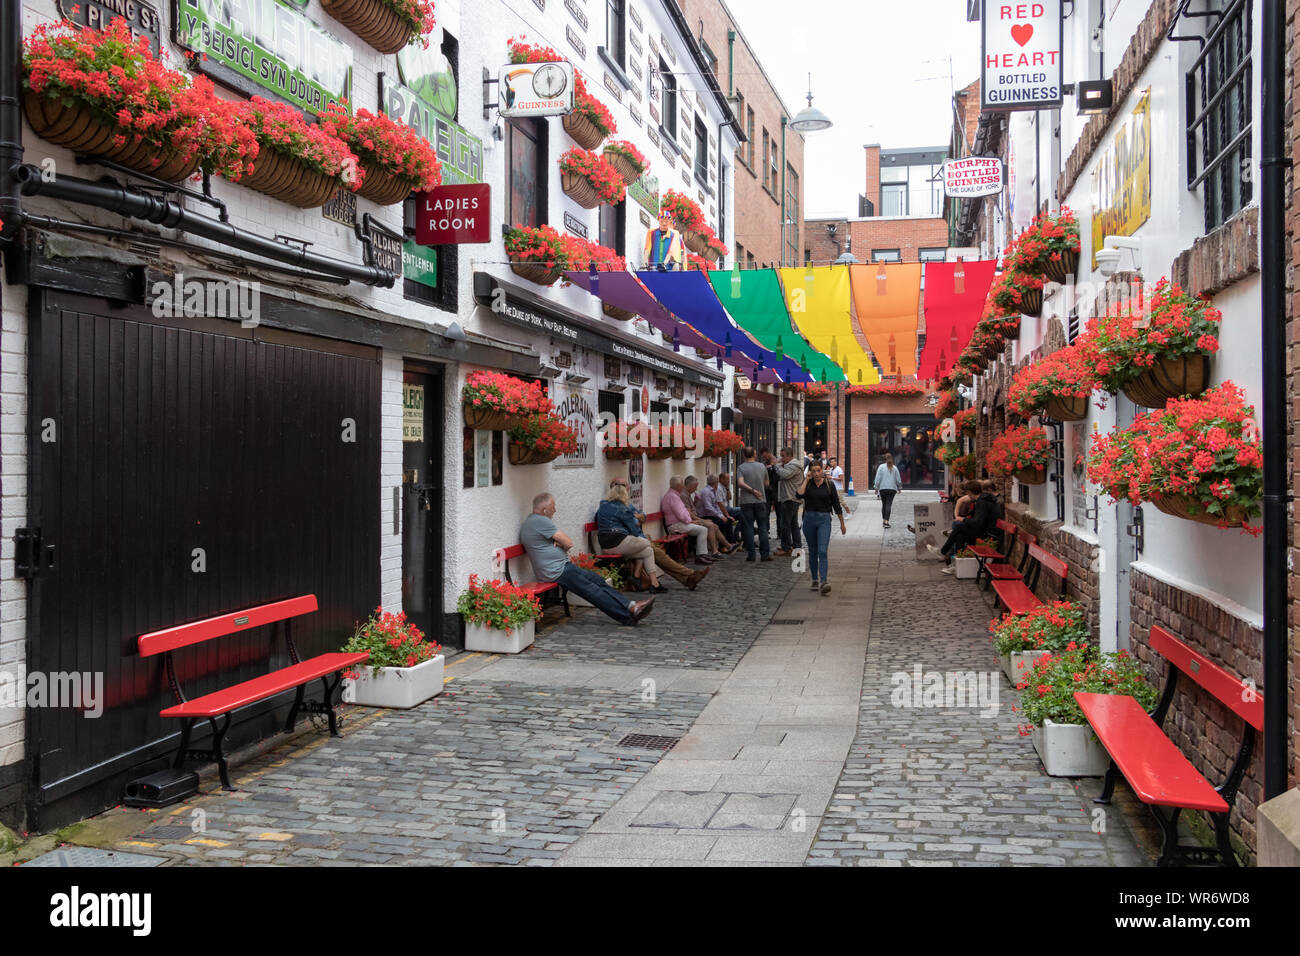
{"x": 1009, "y": 569}
{"x": 539, "y": 589}
{"x": 1018, "y": 596}
{"x": 224, "y": 702}
{"x": 1000, "y": 555}
{"x": 677, "y": 545}
{"x": 593, "y": 545}
{"x": 1154, "y": 766}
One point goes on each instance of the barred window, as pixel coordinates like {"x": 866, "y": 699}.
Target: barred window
{"x": 1219, "y": 115}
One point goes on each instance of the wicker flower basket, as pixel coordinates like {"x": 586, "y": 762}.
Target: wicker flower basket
{"x": 1181, "y": 506}
{"x": 78, "y": 129}
{"x": 994, "y": 352}
{"x": 580, "y": 189}
{"x": 623, "y": 166}
{"x": 659, "y": 454}
{"x": 1030, "y": 476}
{"x": 383, "y": 188}
{"x": 289, "y": 180}
{"x": 1066, "y": 408}
{"x": 490, "y": 420}
{"x": 584, "y": 132}
{"x": 537, "y": 272}
{"x": 1062, "y": 270}
{"x": 1186, "y": 375}
{"x": 695, "y": 242}
{"x": 373, "y": 21}
{"x": 617, "y": 453}
{"x": 614, "y": 312}
{"x": 1031, "y": 302}
{"x": 520, "y": 454}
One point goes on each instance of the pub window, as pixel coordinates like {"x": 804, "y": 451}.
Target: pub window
{"x": 612, "y": 231}
{"x": 701, "y": 151}
{"x": 615, "y": 24}
{"x": 1219, "y": 115}
{"x": 526, "y": 152}
{"x": 669, "y": 100}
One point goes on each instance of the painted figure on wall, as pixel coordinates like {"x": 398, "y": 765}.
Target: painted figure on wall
{"x": 664, "y": 248}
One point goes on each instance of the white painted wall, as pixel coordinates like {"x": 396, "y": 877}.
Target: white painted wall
{"x": 13, "y": 510}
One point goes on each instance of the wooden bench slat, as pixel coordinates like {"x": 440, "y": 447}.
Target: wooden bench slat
{"x": 1051, "y": 562}
{"x": 268, "y": 685}
{"x": 1017, "y": 598}
{"x": 1226, "y": 688}
{"x": 1002, "y": 572}
{"x": 183, "y": 635}
{"x": 1154, "y": 767}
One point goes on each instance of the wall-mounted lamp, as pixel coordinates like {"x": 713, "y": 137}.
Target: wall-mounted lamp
{"x": 1108, "y": 255}
{"x": 1095, "y": 97}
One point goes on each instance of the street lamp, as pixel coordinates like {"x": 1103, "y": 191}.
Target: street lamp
{"x": 810, "y": 119}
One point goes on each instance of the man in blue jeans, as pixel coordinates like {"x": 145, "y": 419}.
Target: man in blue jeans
{"x": 751, "y": 482}
{"x": 547, "y": 548}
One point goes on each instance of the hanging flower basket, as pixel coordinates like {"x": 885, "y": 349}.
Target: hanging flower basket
{"x": 396, "y": 159}
{"x": 1185, "y": 506}
{"x": 376, "y": 22}
{"x": 659, "y": 454}
{"x": 299, "y": 164}
{"x": 628, "y": 161}
{"x": 1031, "y": 302}
{"x": 1066, "y": 408}
{"x": 537, "y": 272}
{"x": 696, "y": 242}
{"x": 617, "y": 453}
{"x": 1177, "y": 377}
{"x": 1030, "y": 476}
{"x": 484, "y": 419}
{"x": 494, "y": 401}
{"x": 584, "y": 132}
{"x": 521, "y": 454}
{"x": 289, "y": 179}
{"x": 614, "y": 312}
{"x": 541, "y": 438}
{"x": 580, "y": 189}
{"x": 384, "y": 189}
{"x": 1059, "y": 270}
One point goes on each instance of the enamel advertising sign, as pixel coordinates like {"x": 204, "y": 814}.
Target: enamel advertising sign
{"x": 536, "y": 89}
{"x": 972, "y": 176}
{"x": 1021, "y": 56}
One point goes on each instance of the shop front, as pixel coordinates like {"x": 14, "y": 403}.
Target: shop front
{"x": 756, "y": 415}
{"x": 913, "y": 441}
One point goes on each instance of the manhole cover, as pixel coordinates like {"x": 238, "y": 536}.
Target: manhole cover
{"x": 89, "y": 856}
{"x": 649, "y": 741}
{"x": 787, "y": 621}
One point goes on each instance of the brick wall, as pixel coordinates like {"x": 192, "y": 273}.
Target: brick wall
{"x": 861, "y": 408}
{"x": 1205, "y": 731}
{"x": 908, "y": 234}
{"x": 757, "y": 211}
{"x": 824, "y": 249}
{"x": 13, "y": 515}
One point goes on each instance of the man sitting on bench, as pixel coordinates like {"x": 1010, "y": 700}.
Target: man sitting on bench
{"x": 547, "y": 549}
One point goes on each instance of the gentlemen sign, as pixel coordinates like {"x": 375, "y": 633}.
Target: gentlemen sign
{"x": 1022, "y": 55}
{"x": 973, "y": 176}
{"x": 261, "y": 46}
{"x": 449, "y": 215}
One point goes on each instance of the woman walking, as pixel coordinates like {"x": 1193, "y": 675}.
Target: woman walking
{"x": 888, "y": 482}
{"x": 819, "y": 499}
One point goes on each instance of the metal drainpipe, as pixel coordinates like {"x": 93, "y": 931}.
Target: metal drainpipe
{"x": 11, "y": 119}
{"x": 1274, "y": 350}
{"x": 731, "y": 66}
{"x": 783, "y": 227}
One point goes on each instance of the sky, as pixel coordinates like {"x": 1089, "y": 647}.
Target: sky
{"x": 880, "y": 72}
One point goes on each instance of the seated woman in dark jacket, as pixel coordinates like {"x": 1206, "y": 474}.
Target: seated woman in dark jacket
{"x": 618, "y": 531}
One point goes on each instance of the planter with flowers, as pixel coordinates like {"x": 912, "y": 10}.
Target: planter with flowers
{"x": 1060, "y": 733}
{"x": 964, "y": 466}
{"x": 542, "y": 254}
{"x": 717, "y": 249}
{"x": 612, "y": 572}
{"x": 297, "y": 163}
{"x": 1049, "y": 246}
{"x": 947, "y": 406}
{"x": 500, "y": 618}
{"x": 493, "y": 401}
{"x": 387, "y": 25}
{"x": 1197, "y": 458}
{"x": 687, "y": 216}
{"x": 1058, "y": 385}
{"x": 541, "y": 438}
{"x": 102, "y": 93}
{"x": 403, "y": 670}
{"x": 628, "y": 161}
{"x": 626, "y": 440}
{"x": 966, "y": 564}
{"x": 1162, "y": 354}
{"x": 397, "y": 160}
{"x": 906, "y": 390}
{"x": 1023, "y": 453}
{"x": 967, "y": 421}
{"x": 589, "y": 180}
{"x": 1017, "y": 292}
{"x": 664, "y": 443}
{"x": 1020, "y": 639}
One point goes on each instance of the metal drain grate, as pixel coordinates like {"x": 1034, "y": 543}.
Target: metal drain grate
{"x": 786, "y": 621}
{"x": 649, "y": 741}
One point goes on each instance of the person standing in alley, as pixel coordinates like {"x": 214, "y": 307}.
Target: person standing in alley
{"x": 819, "y": 499}
{"x": 789, "y": 474}
{"x": 751, "y": 483}
{"x": 888, "y": 482}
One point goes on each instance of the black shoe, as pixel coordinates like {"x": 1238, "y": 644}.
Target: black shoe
{"x": 658, "y": 589}
{"x": 752, "y": 557}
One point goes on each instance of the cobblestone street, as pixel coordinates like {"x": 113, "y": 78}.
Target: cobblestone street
{"x": 792, "y": 751}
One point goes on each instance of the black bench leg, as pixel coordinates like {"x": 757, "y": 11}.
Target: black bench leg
{"x": 188, "y": 726}
{"x": 1228, "y": 858}
{"x": 1108, "y": 788}
{"x": 219, "y": 750}
{"x": 564, "y": 599}
{"x": 293, "y": 711}
{"x": 1169, "y": 827}
{"x": 329, "y": 702}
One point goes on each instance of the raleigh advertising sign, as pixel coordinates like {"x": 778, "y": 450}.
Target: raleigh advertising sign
{"x": 1121, "y": 182}
{"x": 973, "y": 176}
{"x": 461, "y": 154}
{"x": 1021, "y": 55}
{"x": 263, "y": 46}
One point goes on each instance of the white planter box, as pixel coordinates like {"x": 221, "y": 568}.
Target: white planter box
{"x": 395, "y": 686}
{"x": 1011, "y": 664}
{"x": 1069, "y": 750}
{"x": 967, "y": 568}
{"x": 479, "y": 638}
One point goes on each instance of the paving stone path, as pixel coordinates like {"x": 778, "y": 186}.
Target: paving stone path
{"x": 792, "y": 750}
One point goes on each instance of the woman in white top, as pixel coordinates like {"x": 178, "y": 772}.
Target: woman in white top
{"x": 888, "y": 482}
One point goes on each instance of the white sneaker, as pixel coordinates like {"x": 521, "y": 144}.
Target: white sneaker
{"x": 948, "y": 570}
{"x": 931, "y": 548}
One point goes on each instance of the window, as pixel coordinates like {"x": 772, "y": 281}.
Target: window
{"x": 722, "y": 198}
{"x": 526, "y": 152}
{"x": 767, "y": 147}
{"x": 612, "y": 231}
{"x": 774, "y": 167}
{"x": 740, "y": 115}
{"x": 669, "y": 99}
{"x": 709, "y": 55}
{"x": 1219, "y": 116}
{"x": 615, "y": 31}
{"x": 791, "y": 215}
{"x": 932, "y": 254}
{"x": 701, "y": 152}
{"x": 749, "y": 133}
{"x": 740, "y": 253}
{"x": 893, "y": 199}
{"x": 885, "y": 255}
{"x": 807, "y": 256}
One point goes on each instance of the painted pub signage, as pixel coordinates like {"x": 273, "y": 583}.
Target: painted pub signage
{"x": 1021, "y": 51}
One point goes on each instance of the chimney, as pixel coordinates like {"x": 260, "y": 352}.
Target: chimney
{"x": 873, "y": 176}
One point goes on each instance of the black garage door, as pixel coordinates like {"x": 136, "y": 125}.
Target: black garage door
{"x": 178, "y": 471}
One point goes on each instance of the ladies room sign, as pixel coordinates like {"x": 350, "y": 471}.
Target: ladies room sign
{"x": 1021, "y": 55}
